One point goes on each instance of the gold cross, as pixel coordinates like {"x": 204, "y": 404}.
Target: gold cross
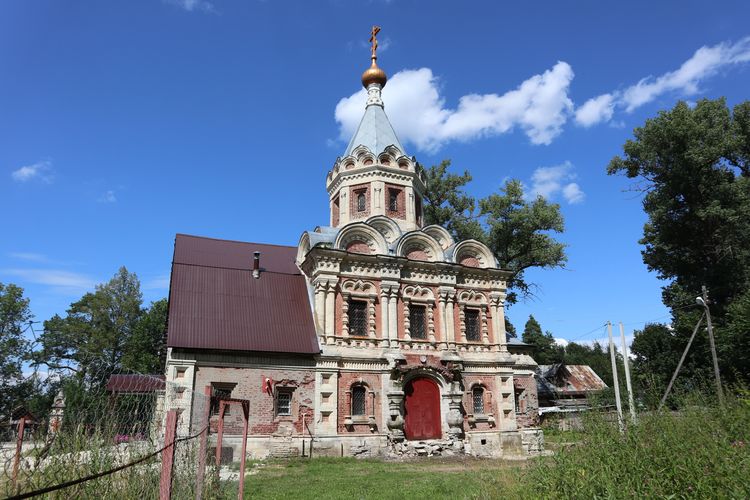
{"x": 374, "y": 41}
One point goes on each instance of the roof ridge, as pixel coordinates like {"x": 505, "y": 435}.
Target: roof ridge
{"x": 235, "y": 241}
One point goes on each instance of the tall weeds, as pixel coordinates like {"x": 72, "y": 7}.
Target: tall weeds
{"x": 698, "y": 451}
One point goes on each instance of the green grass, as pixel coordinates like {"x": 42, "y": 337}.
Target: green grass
{"x": 349, "y": 478}
{"x": 702, "y": 451}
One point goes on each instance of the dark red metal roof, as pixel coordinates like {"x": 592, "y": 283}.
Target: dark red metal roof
{"x": 215, "y": 303}
{"x": 135, "y": 383}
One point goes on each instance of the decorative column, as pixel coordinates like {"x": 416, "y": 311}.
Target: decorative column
{"x": 483, "y": 323}
{"x": 395, "y": 422}
{"x": 462, "y": 321}
{"x": 330, "y": 310}
{"x": 385, "y": 292}
{"x": 393, "y": 317}
{"x": 450, "y": 320}
{"x": 320, "y": 306}
{"x": 497, "y": 303}
{"x": 442, "y": 297}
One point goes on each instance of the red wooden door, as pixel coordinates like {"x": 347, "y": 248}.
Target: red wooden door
{"x": 422, "y": 410}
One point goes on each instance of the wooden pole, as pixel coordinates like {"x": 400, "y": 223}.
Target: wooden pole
{"x": 679, "y": 365}
{"x": 614, "y": 377}
{"x": 626, "y": 362}
{"x": 19, "y": 446}
{"x": 202, "y": 451}
{"x": 719, "y": 392}
{"x": 167, "y": 457}
{"x": 246, "y": 413}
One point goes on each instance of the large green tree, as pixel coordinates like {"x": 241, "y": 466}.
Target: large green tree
{"x": 146, "y": 349}
{"x": 692, "y": 165}
{"x": 90, "y": 340}
{"x": 14, "y": 347}
{"x": 517, "y": 230}
{"x": 545, "y": 350}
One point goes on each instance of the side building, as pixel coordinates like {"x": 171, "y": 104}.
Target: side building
{"x": 375, "y": 335}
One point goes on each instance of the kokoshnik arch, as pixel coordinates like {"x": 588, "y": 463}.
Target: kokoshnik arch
{"x": 374, "y": 334}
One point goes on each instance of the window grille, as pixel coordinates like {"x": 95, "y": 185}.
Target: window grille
{"x": 417, "y": 322}
{"x": 359, "y": 394}
{"x": 358, "y": 318}
{"x": 220, "y": 391}
{"x": 471, "y": 319}
{"x": 393, "y": 200}
{"x": 361, "y": 201}
{"x": 284, "y": 403}
{"x": 478, "y": 399}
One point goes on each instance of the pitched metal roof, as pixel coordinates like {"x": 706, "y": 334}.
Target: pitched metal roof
{"x": 374, "y": 132}
{"x": 215, "y": 303}
{"x": 135, "y": 383}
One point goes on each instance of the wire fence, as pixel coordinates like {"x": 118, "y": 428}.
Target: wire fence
{"x": 113, "y": 434}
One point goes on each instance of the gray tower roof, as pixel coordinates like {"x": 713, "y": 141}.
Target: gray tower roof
{"x": 374, "y": 131}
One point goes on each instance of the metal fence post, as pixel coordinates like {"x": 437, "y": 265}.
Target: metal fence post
{"x": 167, "y": 456}
{"x": 246, "y": 413}
{"x": 201, "y": 472}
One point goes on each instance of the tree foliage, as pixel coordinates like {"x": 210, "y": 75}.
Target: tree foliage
{"x": 693, "y": 166}
{"x": 544, "y": 348}
{"x": 14, "y": 347}
{"x": 517, "y": 230}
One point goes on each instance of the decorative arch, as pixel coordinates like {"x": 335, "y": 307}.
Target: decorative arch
{"x": 385, "y": 226}
{"x": 363, "y": 291}
{"x": 419, "y": 296}
{"x": 473, "y": 253}
{"x": 385, "y": 159}
{"x": 359, "y": 232}
{"x": 363, "y": 155}
{"x": 417, "y": 245}
{"x": 395, "y": 153}
{"x": 441, "y": 235}
{"x": 303, "y": 247}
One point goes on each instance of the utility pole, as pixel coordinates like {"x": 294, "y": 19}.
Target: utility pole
{"x": 631, "y": 400}
{"x": 703, "y": 301}
{"x": 682, "y": 360}
{"x": 614, "y": 377}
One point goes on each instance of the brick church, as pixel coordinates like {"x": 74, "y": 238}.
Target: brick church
{"x": 375, "y": 335}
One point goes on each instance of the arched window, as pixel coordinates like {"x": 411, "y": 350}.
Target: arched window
{"x": 361, "y": 202}
{"x": 359, "y": 400}
{"x": 477, "y": 396}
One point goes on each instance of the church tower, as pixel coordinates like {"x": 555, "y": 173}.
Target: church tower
{"x": 375, "y": 176}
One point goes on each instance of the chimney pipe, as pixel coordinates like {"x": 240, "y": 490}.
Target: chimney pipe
{"x": 256, "y": 265}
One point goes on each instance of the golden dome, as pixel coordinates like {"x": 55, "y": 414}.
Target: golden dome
{"x": 374, "y": 74}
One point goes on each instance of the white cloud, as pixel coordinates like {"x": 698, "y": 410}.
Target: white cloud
{"x": 573, "y": 194}
{"x": 53, "y": 277}
{"x": 684, "y": 81}
{"x": 29, "y": 256}
{"x": 108, "y": 197}
{"x": 193, "y": 5}
{"x": 41, "y": 170}
{"x": 548, "y": 182}
{"x": 539, "y": 106}
{"x": 160, "y": 282}
{"x": 561, "y": 342}
{"x": 595, "y": 110}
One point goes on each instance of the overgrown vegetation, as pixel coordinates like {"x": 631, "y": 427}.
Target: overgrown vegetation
{"x": 700, "y": 451}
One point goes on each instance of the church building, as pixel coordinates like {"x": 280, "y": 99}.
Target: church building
{"x": 376, "y": 335}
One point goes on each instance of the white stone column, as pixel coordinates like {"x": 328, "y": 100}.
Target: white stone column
{"x": 393, "y": 318}
{"x": 330, "y": 310}
{"x": 441, "y": 315}
{"x": 320, "y": 305}
{"x": 385, "y": 291}
{"x": 450, "y": 323}
{"x": 497, "y": 302}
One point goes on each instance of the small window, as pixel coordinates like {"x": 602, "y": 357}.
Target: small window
{"x": 471, "y": 319}
{"x": 361, "y": 201}
{"x": 220, "y": 391}
{"x": 393, "y": 200}
{"x": 418, "y": 209}
{"x": 518, "y": 401}
{"x": 358, "y": 318}
{"x": 477, "y": 395}
{"x": 336, "y": 211}
{"x": 284, "y": 402}
{"x": 359, "y": 401}
{"x": 417, "y": 322}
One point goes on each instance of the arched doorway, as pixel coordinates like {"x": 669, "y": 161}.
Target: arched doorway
{"x": 422, "y": 409}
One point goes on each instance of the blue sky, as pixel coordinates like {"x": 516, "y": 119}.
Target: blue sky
{"x": 125, "y": 122}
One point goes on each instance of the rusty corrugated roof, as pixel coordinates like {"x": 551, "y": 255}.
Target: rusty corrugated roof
{"x": 569, "y": 379}
{"x": 133, "y": 382}
{"x": 215, "y": 303}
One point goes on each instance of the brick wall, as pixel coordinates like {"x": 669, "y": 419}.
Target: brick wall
{"x": 372, "y": 383}
{"x": 525, "y": 391}
{"x": 251, "y": 386}
{"x": 491, "y": 399}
